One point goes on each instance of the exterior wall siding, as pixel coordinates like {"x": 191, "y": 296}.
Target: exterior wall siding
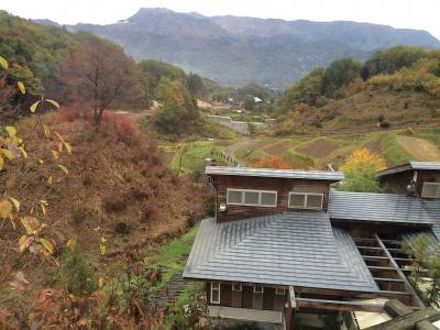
{"x": 397, "y": 183}
{"x": 267, "y": 300}
{"x": 282, "y": 186}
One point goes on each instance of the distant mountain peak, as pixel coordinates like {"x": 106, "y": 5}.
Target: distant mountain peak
{"x": 238, "y": 50}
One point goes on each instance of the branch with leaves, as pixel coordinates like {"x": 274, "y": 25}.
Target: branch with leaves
{"x": 13, "y": 155}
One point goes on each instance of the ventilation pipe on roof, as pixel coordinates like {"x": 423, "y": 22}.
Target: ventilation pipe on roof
{"x": 330, "y": 167}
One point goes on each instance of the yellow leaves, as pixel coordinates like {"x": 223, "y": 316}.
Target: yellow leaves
{"x": 3, "y": 63}
{"x": 63, "y": 168}
{"x": 31, "y": 225}
{"x": 71, "y": 244}
{"x": 55, "y": 154}
{"x": 364, "y": 160}
{"x": 34, "y": 106}
{"x": 68, "y": 147}
{"x": 21, "y": 87}
{"x": 50, "y": 180}
{"x": 59, "y": 136}
{"x": 47, "y": 131}
{"x": 2, "y": 162}
{"x": 44, "y": 204}
{"x": 16, "y": 203}
{"x": 24, "y": 242}
{"x": 102, "y": 245}
{"x": 48, "y": 245}
{"x": 12, "y": 131}
{"x": 53, "y": 102}
{"x": 23, "y": 152}
{"x": 7, "y": 153}
{"x": 5, "y": 208}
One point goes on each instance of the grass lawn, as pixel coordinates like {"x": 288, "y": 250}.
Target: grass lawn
{"x": 171, "y": 257}
{"x": 191, "y": 156}
{"x": 432, "y": 134}
{"x": 393, "y": 152}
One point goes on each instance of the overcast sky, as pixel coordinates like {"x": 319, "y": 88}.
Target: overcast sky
{"x": 413, "y": 14}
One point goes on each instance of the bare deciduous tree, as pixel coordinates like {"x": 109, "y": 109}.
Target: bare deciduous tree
{"x": 100, "y": 72}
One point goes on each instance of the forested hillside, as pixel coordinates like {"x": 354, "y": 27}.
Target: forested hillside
{"x": 86, "y": 197}
{"x": 393, "y": 88}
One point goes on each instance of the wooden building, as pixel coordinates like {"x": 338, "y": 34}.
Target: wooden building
{"x": 285, "y": 244}
{"x": 417, "y": 179}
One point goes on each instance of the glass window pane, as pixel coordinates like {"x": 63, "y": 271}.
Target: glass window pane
{"x": 214, "y": 296}
{"x": 314, "y": 202}
{"x": 234, "y": 196}
{"x": 296, "y": 201}
{"x": 250, "y": 197}
{"x": 430, "y": 189}
{"x": 268, "y": 198}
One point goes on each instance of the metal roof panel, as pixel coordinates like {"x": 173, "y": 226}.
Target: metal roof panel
{"x": 274, "y": 173}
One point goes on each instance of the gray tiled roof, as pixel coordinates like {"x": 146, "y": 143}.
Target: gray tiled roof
{"x": 390, "y": 208}
{"x": 274, "y": 173}
{"x": 292, "y": 248}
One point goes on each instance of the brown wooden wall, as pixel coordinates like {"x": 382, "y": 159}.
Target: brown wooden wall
{"x": 267, "y": 300}
{"x": 282, "y": 186}
{"x": 398, "y": 182}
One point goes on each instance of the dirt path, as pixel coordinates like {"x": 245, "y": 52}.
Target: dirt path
{"x": 421, "y": 149}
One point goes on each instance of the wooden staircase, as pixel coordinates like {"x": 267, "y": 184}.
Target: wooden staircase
{"x": 386, "y": 261}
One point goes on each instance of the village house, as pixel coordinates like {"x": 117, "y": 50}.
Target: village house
{"x": 286, "y": 247}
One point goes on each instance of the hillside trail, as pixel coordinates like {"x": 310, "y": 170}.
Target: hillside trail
{"x": 421, "y": 149}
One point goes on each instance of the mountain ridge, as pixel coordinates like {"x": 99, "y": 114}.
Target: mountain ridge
{"x": 235, "y": 50}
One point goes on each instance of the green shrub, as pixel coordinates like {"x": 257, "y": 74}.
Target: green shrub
{"x": 75, "y": 274}
{"x": 385, "y": 124}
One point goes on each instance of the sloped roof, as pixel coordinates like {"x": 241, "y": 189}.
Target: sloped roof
{"x": 435, "y": 166}
{"x": 292, "y": 248}
{"x": 412, "y": 165}
{"x": 274, "y": 173}
{"x": 391, "y": 208}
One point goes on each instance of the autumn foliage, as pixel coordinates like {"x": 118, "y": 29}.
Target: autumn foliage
{"x": 360, "y": 171}
{"x": 363, "y": 160}
{"x": 271, "y": 162}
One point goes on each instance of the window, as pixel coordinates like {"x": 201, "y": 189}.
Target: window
{"x": 280, "y": 291}
{"x": 431, "y": 189}
{"x": 311, "y": 201}
{"x": 215, "y": 293}
{"x": 258, "y": 289}
{"x": 248, "y": 197}
{"x": 235, "y": 196}
{"x": 236, "y": 287}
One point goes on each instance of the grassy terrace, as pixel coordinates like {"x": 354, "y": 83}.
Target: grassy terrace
{"x": 396, "y": 146}
{"x": 171, "y": 257}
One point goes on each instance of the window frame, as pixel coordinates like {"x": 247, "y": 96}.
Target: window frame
{"x": 213, "y": 287}
{"x": 255, "y": 289}
{"x": 240, "y": 287}
{"x": 305, "y": 194}
{"x": 260, "y": 192}
{"x": 278, "y": 293}
{"x": 437, "y": 196}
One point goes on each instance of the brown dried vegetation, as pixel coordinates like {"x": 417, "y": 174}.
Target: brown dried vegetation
{"x": 117, "y": 188}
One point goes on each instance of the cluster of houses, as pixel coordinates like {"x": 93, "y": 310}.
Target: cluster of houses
{"x": 286, "y": 250}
